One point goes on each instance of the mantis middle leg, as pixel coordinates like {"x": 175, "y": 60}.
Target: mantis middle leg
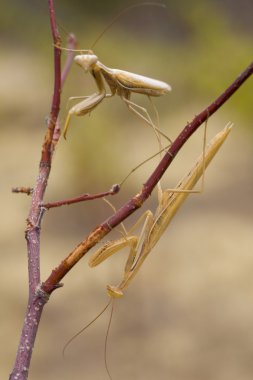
{"x": 133, "y": 107}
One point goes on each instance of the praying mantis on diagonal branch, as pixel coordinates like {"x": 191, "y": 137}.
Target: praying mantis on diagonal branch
{"x": 155, "y": 225}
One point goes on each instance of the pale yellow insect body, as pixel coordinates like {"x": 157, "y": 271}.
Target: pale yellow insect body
{"x": 120, "y": 82}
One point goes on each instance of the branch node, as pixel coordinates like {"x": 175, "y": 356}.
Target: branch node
{"x": 109, "y": 226}
{"x": 40, "y": 293}
{"x": 115, "y": 188}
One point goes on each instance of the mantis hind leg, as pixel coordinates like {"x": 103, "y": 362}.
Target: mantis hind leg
{"x": 140, "y": 112}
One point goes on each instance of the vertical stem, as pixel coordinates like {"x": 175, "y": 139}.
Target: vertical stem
{"x": 37, "y": 300}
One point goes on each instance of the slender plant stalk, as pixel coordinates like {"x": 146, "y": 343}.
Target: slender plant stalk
{"x": 39, "y": 294}
{"x": 35, "y": 303}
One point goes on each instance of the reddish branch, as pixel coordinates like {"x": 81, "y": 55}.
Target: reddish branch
{"x": 71, "y": 44}
{"x": 136, "y": 202}
{"x": 35, "y": 303}
{"x": 84, "y": 197}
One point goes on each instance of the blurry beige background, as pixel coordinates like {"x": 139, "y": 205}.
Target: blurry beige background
{"x": 188, "y": 315}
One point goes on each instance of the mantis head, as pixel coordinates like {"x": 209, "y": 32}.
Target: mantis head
{"x": 86, "y": 61}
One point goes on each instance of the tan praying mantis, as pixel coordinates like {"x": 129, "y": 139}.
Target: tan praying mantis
{"x": 120, "y": 82}
{"x": 155, "y": 225}
{"x": 169, "y": 201}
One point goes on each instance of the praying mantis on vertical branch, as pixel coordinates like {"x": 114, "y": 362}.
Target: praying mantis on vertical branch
{"x": 120, "y": 82}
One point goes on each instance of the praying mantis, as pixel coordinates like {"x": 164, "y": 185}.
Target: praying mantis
{"x": 156, "y": 224}
{"x": 120, "y": 82}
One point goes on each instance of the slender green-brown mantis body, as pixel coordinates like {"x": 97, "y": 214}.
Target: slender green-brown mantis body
{"x": 120, "y": 82}
{"x": 155, "y": 225}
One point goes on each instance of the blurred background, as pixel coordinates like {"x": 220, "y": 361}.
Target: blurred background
{"x": 188, "y": 314}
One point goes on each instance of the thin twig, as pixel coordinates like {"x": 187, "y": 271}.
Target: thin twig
{"x": 71, "y": 44}
{"x": 84, "y": 197}
{"x": 23, "y": 190}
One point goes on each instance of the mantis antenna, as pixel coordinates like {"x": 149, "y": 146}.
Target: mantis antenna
{"x": 111, "y": 302}
{"x": 126, "y": 10}
{"x": 85, "y": 327}
{"x": 111, "y": 23}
